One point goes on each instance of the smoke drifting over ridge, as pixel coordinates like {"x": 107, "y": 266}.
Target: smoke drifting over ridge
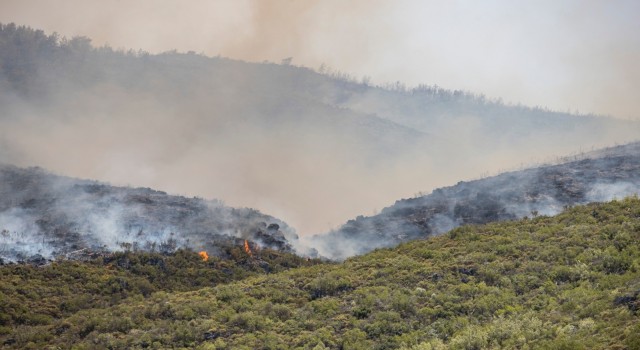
{"x": 569, "y": 55}
{"x": 307, "y": 148}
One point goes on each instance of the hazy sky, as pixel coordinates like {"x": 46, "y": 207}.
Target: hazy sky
{"x": 577, "y": 55}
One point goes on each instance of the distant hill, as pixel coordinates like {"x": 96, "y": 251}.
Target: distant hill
{"x": 318, "y": 146}
{"x": 597, "y": 176}
{"x": 45, "y": 215}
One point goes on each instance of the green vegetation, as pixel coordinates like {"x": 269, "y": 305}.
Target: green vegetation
{"x": 565, "y": 282}
{"x": 32, "y": 297}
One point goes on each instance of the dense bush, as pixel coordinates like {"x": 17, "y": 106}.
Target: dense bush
{"x": 565, "y": 282}
{"x": 40, "y": 295}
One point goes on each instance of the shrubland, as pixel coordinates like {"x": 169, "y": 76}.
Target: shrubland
{"x": 36, "y": 296}
{"x": 571, "y": 281}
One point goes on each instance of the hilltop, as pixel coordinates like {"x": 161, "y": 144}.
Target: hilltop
{"x": 566, "y": 282}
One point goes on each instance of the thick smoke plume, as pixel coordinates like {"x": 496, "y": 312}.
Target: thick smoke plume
{"x": 312, "y": 149}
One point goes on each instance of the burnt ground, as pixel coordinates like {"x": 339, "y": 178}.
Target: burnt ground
{"x": 42, "y": 214}
{"x": 599, "y": 176}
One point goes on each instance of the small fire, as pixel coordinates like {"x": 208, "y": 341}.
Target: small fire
{"x": 204, "y": 255}
{"x": 246, "y": 248}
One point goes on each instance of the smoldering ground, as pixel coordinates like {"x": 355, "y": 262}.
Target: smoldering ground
{"x": 47, "y": 215}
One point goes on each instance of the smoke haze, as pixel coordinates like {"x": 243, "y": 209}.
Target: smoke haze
{"x": 310, "y": 149}
{"x": 569, "y": 55}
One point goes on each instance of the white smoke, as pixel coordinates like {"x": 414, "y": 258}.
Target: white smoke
{"x": 604, "y": 192}
{"x": 20, "y": 236}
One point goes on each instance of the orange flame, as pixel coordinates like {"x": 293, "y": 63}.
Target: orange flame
{"x": 246, "y": 248}
{"x": 204, "y": 255}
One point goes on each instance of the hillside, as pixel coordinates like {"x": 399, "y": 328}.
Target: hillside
{"x": 46, "y": 216}
{"x": 566, "y": 282}
{"x": 43, "y": 293}
{"x": 288, "y": 140}
{"x": 597, "y": 176}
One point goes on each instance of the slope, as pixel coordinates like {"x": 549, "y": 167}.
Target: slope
{"x": 44, "y": 215}
{"x": 41, "y": 293}
{"x": 569, "y": 281}
{"x": 596, "y": 176}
